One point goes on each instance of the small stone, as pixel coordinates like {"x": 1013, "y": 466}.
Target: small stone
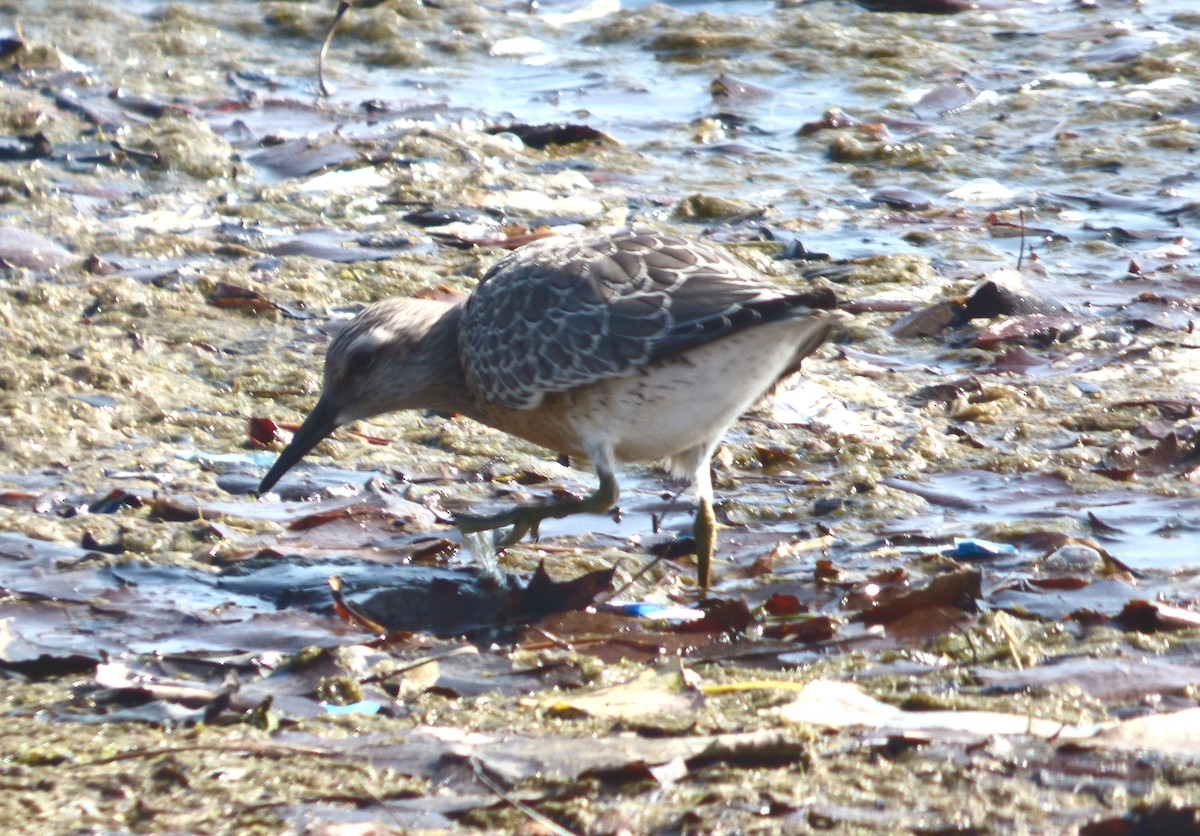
{"x": 1073, "y": 560}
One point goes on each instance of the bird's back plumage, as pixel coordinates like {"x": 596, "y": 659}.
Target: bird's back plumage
{"x": 556, "y": 315}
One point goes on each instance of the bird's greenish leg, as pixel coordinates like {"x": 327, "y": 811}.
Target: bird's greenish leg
{"x": 705, "y": 532}
{"x": 525, "y": 519}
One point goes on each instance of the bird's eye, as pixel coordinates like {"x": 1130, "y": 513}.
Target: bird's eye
{"x": 359, "y": 361}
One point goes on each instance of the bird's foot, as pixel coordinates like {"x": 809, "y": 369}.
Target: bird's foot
{"x": 705, "y": 531}
{"x": 527, "y": 519}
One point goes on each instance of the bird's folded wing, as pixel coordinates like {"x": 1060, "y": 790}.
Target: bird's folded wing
{"x": 555, "y": 315}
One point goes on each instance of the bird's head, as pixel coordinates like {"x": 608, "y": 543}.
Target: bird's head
{"x": 383, "y": 360}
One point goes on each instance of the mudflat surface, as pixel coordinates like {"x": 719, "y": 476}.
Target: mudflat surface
{"x": 956, "y": 585}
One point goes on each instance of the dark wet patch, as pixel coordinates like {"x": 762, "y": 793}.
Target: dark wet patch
{"x": 543, "y": 136}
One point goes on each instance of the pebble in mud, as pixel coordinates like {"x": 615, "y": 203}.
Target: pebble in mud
{"x": 1073, "y": 560}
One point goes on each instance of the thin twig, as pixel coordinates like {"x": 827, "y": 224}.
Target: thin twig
{"x": 657, "y": 519}
{"x": 437, "y": 657}
{"x": 341, "y": 10}
{"x": 549, "y": 824}
{"x": 637, "y": 576}
{"x": 374, "y": 796}
{"x": 1021, "y": 252}
{"x": 465, "y": 152}
{"x": 553, "y": 639}
{"x": 962, "y": 631}
{"x": 249, "y": 747}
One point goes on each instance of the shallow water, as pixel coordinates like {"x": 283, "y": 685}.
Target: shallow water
{"x": 1053, "y": 130}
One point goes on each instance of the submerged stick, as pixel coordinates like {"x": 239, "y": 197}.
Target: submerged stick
{"x": 1021, "y": 251}
{"x": 343, "y": 5}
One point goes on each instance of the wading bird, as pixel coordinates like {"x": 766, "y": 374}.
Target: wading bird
{"x": 630, "y": 347}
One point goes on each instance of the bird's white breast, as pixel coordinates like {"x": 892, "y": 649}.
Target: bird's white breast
{"x": 688, "y": 401}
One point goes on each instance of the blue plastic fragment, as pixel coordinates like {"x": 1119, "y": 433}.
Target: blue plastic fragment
{"x": 255, "y": 458}
{"x": 973, "y": 549}
{"x": 662, "y": 612}
{"x": 363, "y": 707}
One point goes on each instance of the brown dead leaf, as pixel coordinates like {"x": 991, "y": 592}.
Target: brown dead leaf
{"x": 1152, "y": 616}
{"x": 651, "y": 693}
{"x": 959, "y": 588}
{"x": 226, "y": 295}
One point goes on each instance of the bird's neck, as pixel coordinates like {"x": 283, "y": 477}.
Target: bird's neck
{"x": 446, "y": 388}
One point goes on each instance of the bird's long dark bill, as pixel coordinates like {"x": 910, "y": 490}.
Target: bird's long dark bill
{"x": 319, "y": 423}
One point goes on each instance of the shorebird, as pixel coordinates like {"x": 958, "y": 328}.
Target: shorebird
{"x": 637, "y": 346}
